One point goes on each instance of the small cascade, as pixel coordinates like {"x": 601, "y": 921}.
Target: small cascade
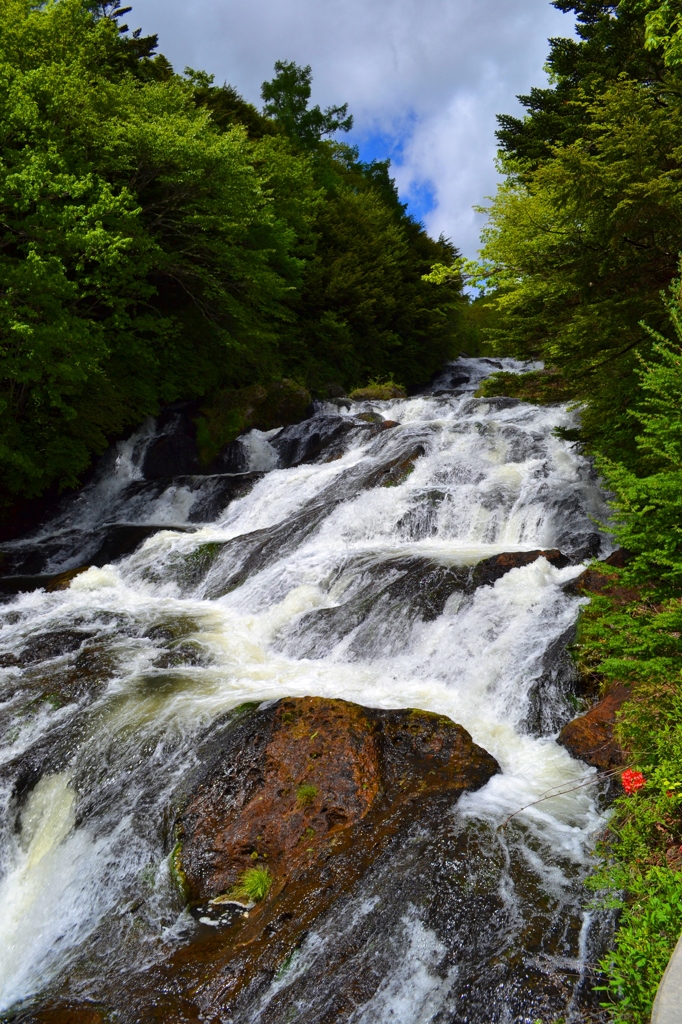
{"x": 353, "y": 555}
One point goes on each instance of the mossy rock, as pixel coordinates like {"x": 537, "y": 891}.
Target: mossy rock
{"x": 233, "y": 411}
{"x": 378, "y": 393}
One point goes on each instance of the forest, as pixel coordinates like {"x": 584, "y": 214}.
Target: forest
{"x": 164, "y": 240}
{"x": 580, "y": 258}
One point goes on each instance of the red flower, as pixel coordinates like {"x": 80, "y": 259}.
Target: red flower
{"x": 632, "y": 781}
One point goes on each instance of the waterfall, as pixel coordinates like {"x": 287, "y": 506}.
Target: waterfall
{"x": 336, "y": 561}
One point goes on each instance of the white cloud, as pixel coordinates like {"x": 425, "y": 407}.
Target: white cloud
{"x": 430, "y": 74}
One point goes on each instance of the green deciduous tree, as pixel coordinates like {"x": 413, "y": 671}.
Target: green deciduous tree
{"x": 126, "y": 217}
{"x": 162, "y": 239}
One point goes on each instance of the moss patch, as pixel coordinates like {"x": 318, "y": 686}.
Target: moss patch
{"x": 379, "y": 391}
{"x": 305, "y": 795}
{"x": 177, "y": 873}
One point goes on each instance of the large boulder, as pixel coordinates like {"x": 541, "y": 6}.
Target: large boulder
{"x": 310, "y": 769}
{"x": 313, "y": 791}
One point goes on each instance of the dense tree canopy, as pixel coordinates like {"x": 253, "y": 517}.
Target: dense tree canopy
{"x": 162, "y": 238}
{"x": 585, "y": 231}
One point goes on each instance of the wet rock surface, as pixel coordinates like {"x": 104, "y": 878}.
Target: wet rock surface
{"x": 63, "y": 1013}
{"x": 384, "y": 599}
{"x": 314, "y": 790}
{"x": 486, "y": 573}
{"x": 309, "y": 769}
{"x": 591, "y": 737}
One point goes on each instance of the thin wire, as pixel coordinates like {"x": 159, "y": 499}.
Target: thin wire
{"x": 550, "y": 794}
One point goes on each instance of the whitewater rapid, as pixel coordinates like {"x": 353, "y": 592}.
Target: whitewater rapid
{"x": 306, "y": 585}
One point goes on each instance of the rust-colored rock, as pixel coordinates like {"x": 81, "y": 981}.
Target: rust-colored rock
{"x": 595, "y": 581}
{"x": 592, "y": 736}
{"x": 491, "y": 569}
{"x": 371, "y": 771}
{"x": 619, "y": 558}
{"x": 353, "y": 758}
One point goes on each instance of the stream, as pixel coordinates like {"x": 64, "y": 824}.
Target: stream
{"x": 322, "y": 563}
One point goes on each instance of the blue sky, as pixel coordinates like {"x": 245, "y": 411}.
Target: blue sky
{"x": 423, "y": 78}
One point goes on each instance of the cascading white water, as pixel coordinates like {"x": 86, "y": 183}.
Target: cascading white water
{"x": 308, "y": 584}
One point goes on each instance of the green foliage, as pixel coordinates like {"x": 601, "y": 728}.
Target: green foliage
{"x": 367, "y": 310}
{"x": 479, "y": 318}
{"x": 585, "y": 230}
{"x": 124, "y": 213}
{"x": 583, "y": 236}
{"x": 379, "y": 389}
{"x": 286, "y": 102}
{"x": 305, "y": 795}
{"x": 225, "y": 414}
{"x": 253, "y": 885}
{"x": 648, "y": 505}
{"x": 540, "y": 387}
{"x": 163, "y": 240}
{"x": 663, "y": 28}
{"x": 631, "y": 636}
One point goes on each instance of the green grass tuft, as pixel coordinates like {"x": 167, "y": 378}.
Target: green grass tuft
{"x": 253, "y": 885}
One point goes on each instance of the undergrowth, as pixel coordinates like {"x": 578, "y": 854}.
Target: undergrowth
{"x": 540, "y": 387}
{"x": 640, "y": 873}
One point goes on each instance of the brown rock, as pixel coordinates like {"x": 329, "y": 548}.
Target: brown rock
{"x": 351, "y": 759}
{"x": 491, "y": 569}
{"x": 594, "y": 581}
{"x": 673, "y": 857}
{"x": 591, "y": 737}
{"x": 368, "y": 772}
{"x": 619, "y": 558}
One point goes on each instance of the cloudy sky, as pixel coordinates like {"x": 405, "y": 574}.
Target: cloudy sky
{"x": 423, "y": 78}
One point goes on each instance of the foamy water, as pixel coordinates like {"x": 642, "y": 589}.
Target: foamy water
{"x": 294, "y": 589}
